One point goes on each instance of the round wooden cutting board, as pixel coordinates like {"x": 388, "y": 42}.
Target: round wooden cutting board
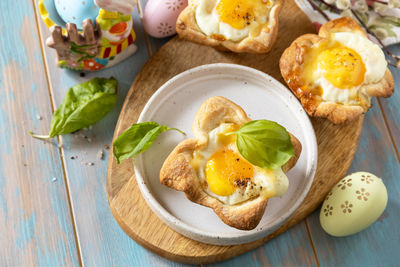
{"x": 336, "y": 145}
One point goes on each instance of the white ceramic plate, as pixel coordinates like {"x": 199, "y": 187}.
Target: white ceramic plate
{"x": 175, "y": 105}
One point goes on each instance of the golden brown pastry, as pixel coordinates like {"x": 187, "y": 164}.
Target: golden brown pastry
{"x": 212, "y": 173}
{"x": 335, "y": 73}
{"x": 237, "y": 25}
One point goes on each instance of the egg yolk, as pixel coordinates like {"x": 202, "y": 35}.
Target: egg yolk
{"x": 342, "y": 67}
{"x": 225, "y": 170}
{"x": 239, "y": 13}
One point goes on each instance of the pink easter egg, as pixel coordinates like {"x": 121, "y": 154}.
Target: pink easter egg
{"x": 159, "y": 19}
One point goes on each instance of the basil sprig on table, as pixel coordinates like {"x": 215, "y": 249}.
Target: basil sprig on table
{"x": 137, "y": 139}
{"x": 83, "y": 105}
{"x": 264, "y": 143}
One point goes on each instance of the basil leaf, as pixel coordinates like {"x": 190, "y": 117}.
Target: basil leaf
{"x": 264, "y": 143}
{"x": 83, "y": 105}
{"x": 137, "y": 139}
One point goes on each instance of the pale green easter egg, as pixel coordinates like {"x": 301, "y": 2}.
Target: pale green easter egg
{"x": 353, "y": 204}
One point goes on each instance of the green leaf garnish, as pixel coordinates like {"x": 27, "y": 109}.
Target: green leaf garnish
{"x": 264, "y": 143}
{"x": 83, "y": 105}
{"x": 137, "y": 139}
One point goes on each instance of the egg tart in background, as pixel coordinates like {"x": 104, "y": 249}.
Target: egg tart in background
{"x": 335, "y": 73}
{"x": 237, "y": 25}
{"x": 213, "y": 173}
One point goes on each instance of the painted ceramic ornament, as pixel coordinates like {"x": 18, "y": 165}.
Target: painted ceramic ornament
{"x": 353, "y": 204}
{"x": 159, "y": 19}
{"x": 103, "y": 38}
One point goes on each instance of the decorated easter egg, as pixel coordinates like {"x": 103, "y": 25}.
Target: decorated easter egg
{"x": 353, "y": 204}
{"x": 76, "y": 11}
{"x": 159, "y": 19}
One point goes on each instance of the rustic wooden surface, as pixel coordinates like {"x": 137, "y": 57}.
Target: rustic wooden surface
{"x": 35, "y": 214}
{"x": 68, "y": 222}
{"x": 336, "y": 146}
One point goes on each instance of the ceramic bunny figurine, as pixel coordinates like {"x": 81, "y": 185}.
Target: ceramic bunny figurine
{"x": 104, "y": 37}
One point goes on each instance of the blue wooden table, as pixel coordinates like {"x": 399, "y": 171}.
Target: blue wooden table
{"x": 53, "y": 206}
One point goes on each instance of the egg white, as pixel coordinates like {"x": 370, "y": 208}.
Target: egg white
{"x": 209, "y": 22}
{"x": 273, "y": 183}
{"x": 344, "y": 96}
{"x": 375, "y": 66}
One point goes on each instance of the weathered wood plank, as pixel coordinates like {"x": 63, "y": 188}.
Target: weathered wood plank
{"x": 35, "y": 219}
{"x": 378, "y": 245}
{"x": 289, "y": 249}
{"x": 101, "y": 240}
{"x": 390, "y": 105}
